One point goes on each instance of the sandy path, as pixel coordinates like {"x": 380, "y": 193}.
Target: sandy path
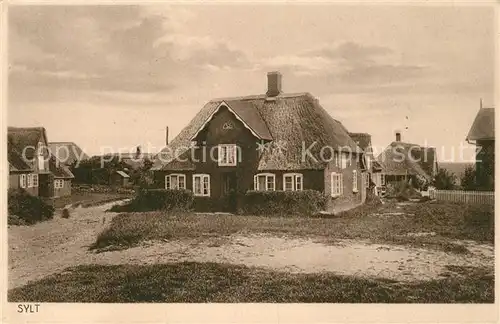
{"x": 49, "y": 247}
{"x": 306, "y": 256}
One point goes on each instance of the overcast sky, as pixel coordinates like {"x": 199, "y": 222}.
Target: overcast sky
{"x": 117, "y": 75}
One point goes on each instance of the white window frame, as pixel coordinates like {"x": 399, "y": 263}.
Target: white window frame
{"x": 22, "y": 181}
{"x": 354, "y": 180}
{"x": 296, "y": 184}
{"x": 382, "y": 179}
{"x": 168, "y": 184}
{"x": 336, "y": 184}
{"x": 226, "y": 147}
{"x": 35, "y": 180}
{"x": 58, "y": 183}
{"x": 202, "y": 185}
{"x": 345, "y": 160}
{"x": 29, "y": 181}
{"x": 267, "y": 176}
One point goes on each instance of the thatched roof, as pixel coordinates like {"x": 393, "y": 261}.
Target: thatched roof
{"x": 401, "y": 158}
{"x": 292, "y": 120}
{"x": 67, "y": 152}
{"x": 59, "y": 169}
{"x": 19, "y": 139}
{"x": 483, "y": 127}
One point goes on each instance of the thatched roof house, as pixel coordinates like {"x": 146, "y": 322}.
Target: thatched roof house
{"x": 401, "y": 159}
{"x": 67, "y": 152}
{"x": 482, "y": 134}
{"x": 292, "y": 120}
{"x": 273, "y": 141}
{"x": 483, "y": 127}
{"x": 32, "y": 166}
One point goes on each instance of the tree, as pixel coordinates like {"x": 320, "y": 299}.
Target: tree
{"x": 468, "y": 180}
{"x": 142, "y": 176}
{"x": 444, "y": 180}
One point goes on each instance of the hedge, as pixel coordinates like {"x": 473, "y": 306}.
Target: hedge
{"x": 24, "y": 208}
{"x": 158, "y": 199}
{"x": 306, "y": 202}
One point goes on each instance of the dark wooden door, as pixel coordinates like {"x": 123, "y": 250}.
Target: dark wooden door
{"x": 229, "y": 190}
{"x": 45, "y": 187}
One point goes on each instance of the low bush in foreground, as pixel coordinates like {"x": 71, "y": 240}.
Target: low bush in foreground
{"x": 376, "y": 222}
{"x": 193, "y": 282}
{"x": 305, "y": 203}
{"x": 24, "y": 208}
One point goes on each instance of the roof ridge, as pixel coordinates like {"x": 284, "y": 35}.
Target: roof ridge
{"x": 261, "y": 96}
{"x": 408, "y": 143}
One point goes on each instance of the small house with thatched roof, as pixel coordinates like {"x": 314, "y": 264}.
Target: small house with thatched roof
{"x": 482, "y": 134}
{"x": 407, "y": 162}
{"x": 67, "y": 153}
{"x": 274, "y": 141}
{"x": 31, "y": 165}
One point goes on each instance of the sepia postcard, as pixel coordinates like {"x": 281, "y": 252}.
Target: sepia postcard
{"x": 248, "y": 162}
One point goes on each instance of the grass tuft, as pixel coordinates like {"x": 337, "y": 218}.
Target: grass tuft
{"x": 194, "y": 282}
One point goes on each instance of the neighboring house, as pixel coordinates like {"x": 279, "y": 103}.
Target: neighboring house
{"x": 62, "y": 178}
{"x": 373, "y": 167}
{"x": 406, "y": 162}
{"x": 133, "y": 160}
{"x": 482, "y": 134}
{"x": 264, "y": 142}
{"x": 31, "y": 166}
{"x": 67, "y": 152}
{"x": 119, "y": 179}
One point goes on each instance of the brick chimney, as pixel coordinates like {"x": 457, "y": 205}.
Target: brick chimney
{"x": 398, "y": 136}
{"x": 273, "y": 84}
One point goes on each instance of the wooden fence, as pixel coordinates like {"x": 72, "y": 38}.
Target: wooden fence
{"x": 467, "y": 197}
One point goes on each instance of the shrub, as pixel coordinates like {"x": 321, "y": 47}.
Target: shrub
{"x": 28, "y": 208}
{"x": 306, "y": 202}
{"x": 402, "y": 191}
{"x": 444, "y": 180}
{"x": 158, "y": 199}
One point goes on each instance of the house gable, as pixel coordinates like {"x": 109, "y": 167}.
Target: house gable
{"x": 247, "y": 115}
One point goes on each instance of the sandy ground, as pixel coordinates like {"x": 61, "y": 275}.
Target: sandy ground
{"x": 49, "y": 247}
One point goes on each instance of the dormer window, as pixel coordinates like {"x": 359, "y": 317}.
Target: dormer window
{"x": 228, "y": 154}
{"x": 40, "y": 157}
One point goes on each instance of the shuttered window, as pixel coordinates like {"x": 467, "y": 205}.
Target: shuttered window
{"x": 175, "y": 181}
{"x": 201, "y": 185}
{"x": 292, "y": 181}
{"x": 264, "y": 182}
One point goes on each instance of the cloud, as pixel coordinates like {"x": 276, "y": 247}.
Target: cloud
{"x": 109, "y": 48}
{"x": 350, "y": 64}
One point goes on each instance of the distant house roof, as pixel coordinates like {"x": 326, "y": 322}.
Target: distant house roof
{"x": 21, "y": 144}
{"x": 289, "y": 120}
{"x": 67, "y": 152}
{"x": 400, "y": 158}
{"x": 59, "y": 169}
{"x": 123, "y": 174}
{"x": 483, "y": 127}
